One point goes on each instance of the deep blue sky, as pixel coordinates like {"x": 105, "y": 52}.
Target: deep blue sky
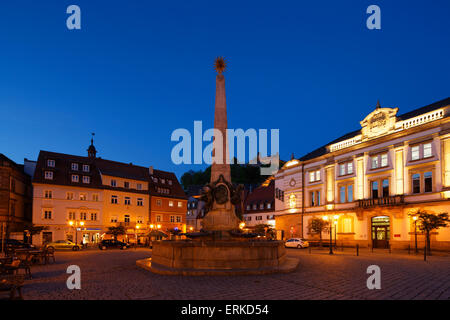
{"x": 140, "y": 69}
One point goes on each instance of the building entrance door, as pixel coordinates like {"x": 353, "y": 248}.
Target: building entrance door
{"x": 380, "y": 232}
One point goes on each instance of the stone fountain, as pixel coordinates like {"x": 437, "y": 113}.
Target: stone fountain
{"x": 220, "y": 248}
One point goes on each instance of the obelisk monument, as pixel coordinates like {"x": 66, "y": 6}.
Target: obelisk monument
{"x": 220, "y": 195}
{"x": 220, "y": 160}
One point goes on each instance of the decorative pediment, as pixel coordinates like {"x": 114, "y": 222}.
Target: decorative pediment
{"x": 379, "y": 122}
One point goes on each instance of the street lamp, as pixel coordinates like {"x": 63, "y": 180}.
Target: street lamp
{"x": 415, "y": 232}
{"x": 75, "y": 224}
{"x": 325, "y": 218}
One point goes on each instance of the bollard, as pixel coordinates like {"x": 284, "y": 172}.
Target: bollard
{"x": 425, "y": 253}
{"x": 357, "y": 250}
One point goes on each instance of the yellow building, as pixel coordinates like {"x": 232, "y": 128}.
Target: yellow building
{"x": 369, "y": 181}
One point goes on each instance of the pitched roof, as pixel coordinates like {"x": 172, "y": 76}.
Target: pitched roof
{"x": 62, "y": 174}
{"x": 411, "y": 114}
{"x": 262, "y": 194}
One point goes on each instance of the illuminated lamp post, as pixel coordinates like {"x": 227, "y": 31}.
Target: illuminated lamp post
{"x": 325, "y": 218}
{"x": 75, "y": 224}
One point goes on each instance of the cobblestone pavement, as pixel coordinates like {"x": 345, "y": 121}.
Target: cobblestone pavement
{"x": 114, "y": 275}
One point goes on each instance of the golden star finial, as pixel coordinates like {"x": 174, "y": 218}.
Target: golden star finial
{"x": 220, "y": 64}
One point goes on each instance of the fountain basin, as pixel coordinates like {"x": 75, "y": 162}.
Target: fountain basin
{"x": 218, "y": 258}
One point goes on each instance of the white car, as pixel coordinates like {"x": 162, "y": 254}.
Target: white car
{"x": 296, "y": 243}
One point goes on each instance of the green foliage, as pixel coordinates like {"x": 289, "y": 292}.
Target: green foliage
{"x": 116, "y": 231}
{"x": 317, "y": 225}
{"x": 428, "y": 221}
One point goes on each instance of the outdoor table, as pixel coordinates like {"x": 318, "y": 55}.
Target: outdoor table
{"x": 36, "y": 254}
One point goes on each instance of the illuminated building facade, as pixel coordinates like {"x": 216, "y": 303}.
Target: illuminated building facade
{"x": 370, "y": 180}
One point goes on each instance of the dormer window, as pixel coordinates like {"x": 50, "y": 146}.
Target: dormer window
{"x": 48, "y": 175}
{"x": 51, "y": 163}
{"x": 126, "y": 185}
{"x": 86, "y": 179}
{"x": 75, "y": 178}
{"x": 163, "y": 181}
{"x": 139, "y": 186}
{"x": 85, "y": 167}
{"x": 74, "y": 166}
{"x": 170, "y": 182}
{"x": 113, "y": 183}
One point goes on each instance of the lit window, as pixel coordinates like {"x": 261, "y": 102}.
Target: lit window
{"x": 48, "y": 175}
{"x": 292, "y": 201}
{"x": 180, "y": 204}
{"x": 311, "y": 176}
{"x": 427, "y": 152}
{"x": 51, "y": 163}
{"x": 350, "y": 168}
{"x": 269, "y": 205}
{"x": 374, "y": 162}
{"x": 69, "y": 196}
{"x": 384, "y": 160}
{"x": 347, "y": 225}
{"x": 75, "y": 178}
{"x": 83, "y": 197}
{"x": 342, "y": 169}
{"x": 170, "y": 203}
{"x": 86, "y": 179}
{"x": 75, "y": 166}
{"x": 314, "y": 176}
{"x": 415, "y": 153}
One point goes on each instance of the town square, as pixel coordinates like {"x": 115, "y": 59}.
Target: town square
{"x": 174, "y": 154}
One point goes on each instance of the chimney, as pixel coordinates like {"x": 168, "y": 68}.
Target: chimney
{"x": 150, "y": 170}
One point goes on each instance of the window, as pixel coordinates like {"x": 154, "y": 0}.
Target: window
{"x": 374, "y": 189}
{"x": 158, "y": 202}
{"x": 83, "y": 197}
{"x": 269, "y": 205}
{"x": 180, "y": 204}
{"x": 95, "y": 197}
{"x": 48, "y": 175}
{"x": 415, "y": 153}
{"x": 69, "y": 195}
{"x": 428, "y": 181}
{"x": 427, "y": 152}
{"x": 51, "y": 163}
{"x": 379, "y": 161}
{"x": 178, "y": 219}
{"x": 126, "y": 185}
{"x": 140, "y": 202}
{"x": 48, "y": 194}
{"x": 292, "y": 201}
{"x": 94, "y": 216}
{"x": 114, "y": 219}
{"x": 127, "y": 201}
{"x": 385, "y": 185}
{"x": 347, "y": 225}
{"x": 416, "y": 183}
{"x": 113, "y": 183}
{"x": 86, "y": 179}
{"x": 249, "y": 218}
{"x": 139, "y": 186}
{"x": 254, "y": 206}
{"x": 345, "y": 168}
{"x": 47, "y": 214}
{"x": 85, "y": 167}
{"x": 170, "y": 203}
{"x": 72, "y": 215}
{"x": 75, "y": 178}
{"x": 350, "y": 168}
{"x": 314, "y": 176}
{"x": 350, "y": 193}
{"x": 114, "y": 200}
{"x": 126, "y": 218}
{"x": 74, "y": 166}
{"x": 163, "y": 181}
{"x": 342, "y": 169}
{"x": 315, "y": 198}
{"x": 83, "y": 216}
{"x": 169, "y": 182}
{"x": 172, "y": 218}
{"x": 261, "y": 206}
{"x": 258, "y": 218}
{"x": 342, "y": 194}
{"x": 158, "y": 218}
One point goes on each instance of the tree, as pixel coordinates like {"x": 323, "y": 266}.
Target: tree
{"x": 265, "y": 229}
{"x": 116, "y": 231}
{"x": 429, "y": 221}
{"x": 318, "y": 225}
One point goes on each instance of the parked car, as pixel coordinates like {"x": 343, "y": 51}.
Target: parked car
{"x": 107, "y": 244}
{"x": 296, "y": 243}
{"x": 15, "y": 244}
{"x": 63, "y": 245}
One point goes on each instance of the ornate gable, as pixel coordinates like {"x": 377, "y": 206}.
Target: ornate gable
{"x": 379, "y": 122}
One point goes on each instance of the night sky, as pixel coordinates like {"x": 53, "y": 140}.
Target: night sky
{"x": 137, "y": 70}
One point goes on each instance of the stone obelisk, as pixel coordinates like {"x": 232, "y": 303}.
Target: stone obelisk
{"x": 220, "y": 161}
